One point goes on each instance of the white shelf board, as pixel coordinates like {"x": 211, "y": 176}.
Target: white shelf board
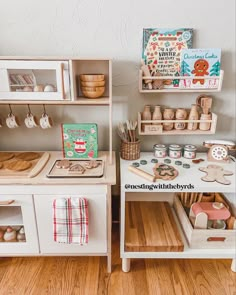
{"x": 10, "y": 215}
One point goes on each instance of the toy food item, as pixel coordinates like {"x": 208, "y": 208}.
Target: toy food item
{"x": 21, "y": 235}
{"x": 215, "y": 173}
{"x": 18, "y": 165}
{"x": 91, "y": 164}
{"x": 165, "y": 172}
{"x": 10, "y": 235}
{"x": 4, "y": 156}
{"x": 63, "y": 164}
{"x": 28, "y": 156}
{"x": 77, "y": 168}
{"x": 1, "y": 235}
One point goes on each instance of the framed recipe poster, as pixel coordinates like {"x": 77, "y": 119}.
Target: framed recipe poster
{"x": 80, "y": 140}
{"x": 162, "y": 49}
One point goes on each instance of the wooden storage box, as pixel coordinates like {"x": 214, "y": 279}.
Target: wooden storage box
{"x": 204, "y": 238}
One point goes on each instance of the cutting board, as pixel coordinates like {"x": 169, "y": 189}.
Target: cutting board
{"x": 36, "y": 167}
{"x": 151, "y": 227}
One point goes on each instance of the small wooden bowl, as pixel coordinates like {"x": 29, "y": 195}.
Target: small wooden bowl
{"x": 92, "y": 77}
{"x": 95, "y": 89}
{"x": 93, "y": 83}
{"x": 94, "y": 94}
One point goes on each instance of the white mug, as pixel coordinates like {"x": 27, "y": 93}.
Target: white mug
{"x": 12, "y": 121}
{"x": 31, "y": 121}
{"x": 45, "y": 121}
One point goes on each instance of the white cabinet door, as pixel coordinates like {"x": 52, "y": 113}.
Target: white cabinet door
{"x": 97, "y": 225}
{"x": 15, "y": 75}
{"x": 19, "y": 213}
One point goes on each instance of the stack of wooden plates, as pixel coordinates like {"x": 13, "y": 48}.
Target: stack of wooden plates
{"x": 92, "y": 85}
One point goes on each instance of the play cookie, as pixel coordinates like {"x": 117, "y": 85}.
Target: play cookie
{"x": 165, "y": 172}
{"x": 63, "y": 164}
{"x": 4, "y": 156}
{"x": 77, "y": 168}
{"x": 28, "y": 156}
{"x": 18, "y": 165}
{"x": 91, "y": 164}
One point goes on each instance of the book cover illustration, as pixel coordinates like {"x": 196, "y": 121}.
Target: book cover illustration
{"x": 162, "y": 49}
{"x": 200, "y": 63}
{"x": 80, "y": 140}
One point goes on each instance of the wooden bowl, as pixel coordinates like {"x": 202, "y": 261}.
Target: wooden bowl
{"x": 94, "y": 89}
{"x": 93, "y": 83}
{"x": 92, "y": 77}
{"x": 94, "y": 94}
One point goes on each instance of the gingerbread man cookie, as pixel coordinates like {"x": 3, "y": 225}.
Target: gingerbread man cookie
{"x": 200, "y": 69}
{"x": 215, "y": 173}
{"x": 165, "y": 172}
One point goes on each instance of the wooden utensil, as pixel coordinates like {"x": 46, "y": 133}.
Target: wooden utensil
{"x": 142, "y": 173}
{"x": 205, "y": 102}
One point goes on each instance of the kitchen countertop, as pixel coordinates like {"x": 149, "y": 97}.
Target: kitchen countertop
{"x": 131, "y": 182}
{"x": 109, "y": 176}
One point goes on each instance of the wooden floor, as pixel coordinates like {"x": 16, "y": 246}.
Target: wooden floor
{"x": 71, "y": 275}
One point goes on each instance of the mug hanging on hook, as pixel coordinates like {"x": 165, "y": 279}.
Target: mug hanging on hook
{"x": 30, "y": 120}
{"x": 12, "y": 121}
{"x": 45, "y": 121}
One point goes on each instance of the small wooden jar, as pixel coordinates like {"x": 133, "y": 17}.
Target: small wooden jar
{"x": 205, "y": 125}
{"x": 130, "y": 150}
{"x": 168, "y": 114}
{"x": 181, "y": 114}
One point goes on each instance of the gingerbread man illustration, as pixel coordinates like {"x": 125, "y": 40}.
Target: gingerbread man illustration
{"x": 200, "y": 69}
{"x": 215, "y": 173}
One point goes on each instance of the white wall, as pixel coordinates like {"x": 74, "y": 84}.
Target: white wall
{"x": 107, "y": 28}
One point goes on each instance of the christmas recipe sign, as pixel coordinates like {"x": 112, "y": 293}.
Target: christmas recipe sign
{"x": 200, "y": 63}
{"x": 80, "y": 140}
{"x": 162, "y": 49}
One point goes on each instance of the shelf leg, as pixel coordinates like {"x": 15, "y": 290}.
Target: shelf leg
{"x": 126, "y": 264}
{"x": 233, "y": 265}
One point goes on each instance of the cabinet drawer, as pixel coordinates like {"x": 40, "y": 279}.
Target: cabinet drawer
{"x": 97, "y": 225}
{"x": 19, "y": 213}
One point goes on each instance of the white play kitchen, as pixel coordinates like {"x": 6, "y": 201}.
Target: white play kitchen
{"x": 175, "y": 201}
{"x": 56, "y": 203}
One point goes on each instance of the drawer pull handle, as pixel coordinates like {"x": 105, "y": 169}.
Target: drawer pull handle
{"x": 216, "y": 239}
{"x": 8, "y": 202}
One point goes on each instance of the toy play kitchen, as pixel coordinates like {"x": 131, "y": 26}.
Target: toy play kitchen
{"x": 34, "y": 184}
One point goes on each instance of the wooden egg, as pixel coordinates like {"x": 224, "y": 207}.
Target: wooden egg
{"x": 10, "y": 235}
{"x": 38, "y": 88}
{"x": 21, "y": 235}
{"x": 1, "y": 235}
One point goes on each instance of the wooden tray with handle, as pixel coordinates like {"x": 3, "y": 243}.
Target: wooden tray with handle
{"x": 36, "y": 166}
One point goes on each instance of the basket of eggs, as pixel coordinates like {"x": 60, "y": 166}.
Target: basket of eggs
{"x": 92, "y": 85}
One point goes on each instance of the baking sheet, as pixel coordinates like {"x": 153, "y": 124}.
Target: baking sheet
{"x": 64, "y": 173}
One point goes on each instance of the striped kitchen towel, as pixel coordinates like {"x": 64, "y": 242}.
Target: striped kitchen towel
{"x": 70, "y": 220}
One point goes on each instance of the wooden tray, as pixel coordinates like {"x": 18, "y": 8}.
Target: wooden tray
{"x": 205, "y": 238}
{"x": 64, "y": 173}
{"x": 36, "y": 167}
{"x": 151, "y": 227}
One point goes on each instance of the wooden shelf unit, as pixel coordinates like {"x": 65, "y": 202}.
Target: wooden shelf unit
{"x": 177, "y": 89}
{"x": 67, "y": 71}
{"x": 212, "y": 130}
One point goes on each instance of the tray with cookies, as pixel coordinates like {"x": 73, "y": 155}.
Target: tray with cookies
{"x": 86, "y": 168}
{"x": 22, "y": 164}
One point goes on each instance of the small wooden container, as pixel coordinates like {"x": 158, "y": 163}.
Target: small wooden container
{"x": 130, "y": 150}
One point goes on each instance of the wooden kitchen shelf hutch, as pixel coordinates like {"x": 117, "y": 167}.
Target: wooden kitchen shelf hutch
{"x": 32, "y": 197}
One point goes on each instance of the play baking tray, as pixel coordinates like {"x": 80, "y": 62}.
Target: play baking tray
{"x": 56, "y": 172}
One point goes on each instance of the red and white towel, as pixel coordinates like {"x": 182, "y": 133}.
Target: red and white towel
{"x": 70, "y": 220}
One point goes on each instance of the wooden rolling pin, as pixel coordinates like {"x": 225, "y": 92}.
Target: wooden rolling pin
{"x": 142, "y": 173}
